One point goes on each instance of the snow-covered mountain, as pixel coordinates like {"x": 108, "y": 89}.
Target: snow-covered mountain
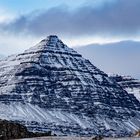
{"x": 52, "y": 87}
{"x": 131, "y": 85}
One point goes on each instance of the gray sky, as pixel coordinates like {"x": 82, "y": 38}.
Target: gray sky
{"x": 80, "y": 21}
{"x": 113, "y": 18}
{"x": 118, "y": 58}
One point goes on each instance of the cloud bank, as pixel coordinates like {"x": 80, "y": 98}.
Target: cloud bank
{"x": 119, "y": 58}
{"x": 121, "y": 18}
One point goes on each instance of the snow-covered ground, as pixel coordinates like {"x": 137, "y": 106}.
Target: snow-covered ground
{"x": 79, "y": 138}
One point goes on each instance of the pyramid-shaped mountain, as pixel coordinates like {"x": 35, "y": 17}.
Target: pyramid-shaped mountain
{"x": 52, "y": 87}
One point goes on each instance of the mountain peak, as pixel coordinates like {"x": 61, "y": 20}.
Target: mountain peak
{"x": 51, "y": 44}
{"x": 52, "y": 38}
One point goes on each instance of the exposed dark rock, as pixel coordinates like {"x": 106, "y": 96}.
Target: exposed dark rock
{"x": 12, "y": 130}
{"x": 97, "y": 138}
{"x": 137, "y": 134}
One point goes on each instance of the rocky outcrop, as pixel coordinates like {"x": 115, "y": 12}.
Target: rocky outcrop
{"x": 52, "y": 87}
{"x": 137, "y": 134}
{"x": 12, "y": 130}
{"x": 131, "y": 85}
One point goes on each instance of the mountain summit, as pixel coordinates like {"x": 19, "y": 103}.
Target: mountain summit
{"x": 52, "y": 87}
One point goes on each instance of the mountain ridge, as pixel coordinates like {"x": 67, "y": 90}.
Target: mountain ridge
{"x": 52, "y": 87}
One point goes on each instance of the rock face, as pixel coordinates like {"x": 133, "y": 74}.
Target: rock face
{"x": 12, "y": 130}
{"x": 52, "y": 87}
{"x": 131, "y": 85}
{"x": 137, "y": 134}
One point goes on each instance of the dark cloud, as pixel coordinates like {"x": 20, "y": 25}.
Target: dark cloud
{"x": 120, "y": 18}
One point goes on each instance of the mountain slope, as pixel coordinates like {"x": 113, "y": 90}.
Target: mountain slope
{"x": 131, "y": 85}
{"x": 52, "y": 87}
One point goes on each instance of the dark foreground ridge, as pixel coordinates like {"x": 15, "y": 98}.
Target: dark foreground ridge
{"x": 12, "y": 130}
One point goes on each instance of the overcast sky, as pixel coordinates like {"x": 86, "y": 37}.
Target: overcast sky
{"x": 118, "y": 58}
{"x": 77, "y": 22}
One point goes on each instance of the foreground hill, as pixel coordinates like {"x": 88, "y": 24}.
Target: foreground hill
{"x": 52, "y": 87}
{"x": 12, "y": 130}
